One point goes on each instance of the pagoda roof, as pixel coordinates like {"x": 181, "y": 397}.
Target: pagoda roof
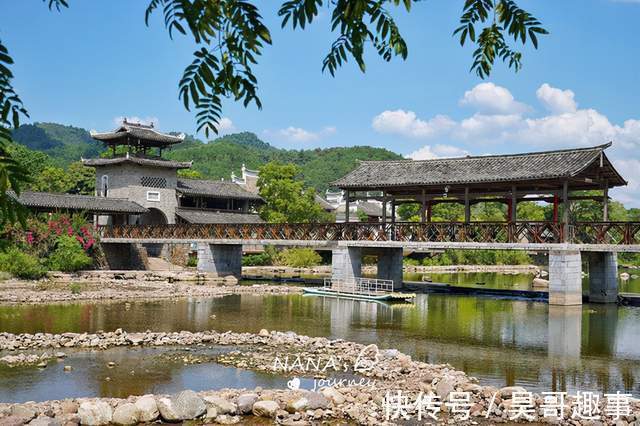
{"x": 137, "y": 133}
{"x": 141, "y": 161}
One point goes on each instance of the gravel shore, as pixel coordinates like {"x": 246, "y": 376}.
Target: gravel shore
{"x": 377, "y": 375}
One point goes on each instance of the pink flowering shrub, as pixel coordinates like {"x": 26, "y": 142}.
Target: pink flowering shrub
{"x": 43, "y": 234}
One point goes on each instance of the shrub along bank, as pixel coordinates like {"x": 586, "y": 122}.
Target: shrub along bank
{"x": 55, "y": 242}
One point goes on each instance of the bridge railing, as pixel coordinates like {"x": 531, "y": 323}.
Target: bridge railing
{"x": 616, "y": 233}
{"x": 475, "y": 232}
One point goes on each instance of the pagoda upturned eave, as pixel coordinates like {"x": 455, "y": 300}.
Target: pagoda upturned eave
{"x": 150, "y": 162}
{"x": 137, "y": 134}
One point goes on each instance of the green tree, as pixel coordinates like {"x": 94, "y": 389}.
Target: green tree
{"x": 82, "y": 179}
{"x": 52, "y": 179}
{"x": 286, "y": 198}
{"x": 190, "y": 174}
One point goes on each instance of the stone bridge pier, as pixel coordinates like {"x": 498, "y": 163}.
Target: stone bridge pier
{"x": 565, "y": 277}
{"x": 220, "y": 259}
{"x": 347, "y": 262}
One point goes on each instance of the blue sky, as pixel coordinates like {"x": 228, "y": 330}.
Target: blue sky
{"x": 97, "y": 61}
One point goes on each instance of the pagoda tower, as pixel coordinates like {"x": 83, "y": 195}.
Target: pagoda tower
{"x": 137, "y": 172}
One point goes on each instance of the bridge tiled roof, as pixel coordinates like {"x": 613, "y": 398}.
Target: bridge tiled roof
{"x": 137, "y": 131}
{"x": 208, "y": 216}
{"x": 89, "y": 203}
{"x": 215, "y": 188}
{"x": 142, "y": 161}
{"x": 534, "y": 166}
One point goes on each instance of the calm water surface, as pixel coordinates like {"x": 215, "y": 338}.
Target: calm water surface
{"x": 500, "y": 341}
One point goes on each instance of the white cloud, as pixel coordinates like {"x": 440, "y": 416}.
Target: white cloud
{"x": 567, "y": 126}
{"x": 298, "y": 134}
{"x": 135, "y": 119}
{"x": 406, "y": 123}
{"x": 226, "y": 125}
{"x": 429, "y": 152}
{"x": 490, "y": 98}
{"x": 556, "y": 100}
{"x": 564, "y": 126}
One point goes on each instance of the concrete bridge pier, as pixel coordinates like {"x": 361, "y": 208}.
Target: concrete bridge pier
{"x": 603, "y": 277}
{"x": 346, "y": 262}
{"x": 221, "y": 259}
{"x": 565, "y": 277}
{"x": 390, "y": 265}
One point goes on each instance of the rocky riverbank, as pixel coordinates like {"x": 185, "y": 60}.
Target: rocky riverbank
{"x": 364, "y": 397}
{"x": 126, "y": 288}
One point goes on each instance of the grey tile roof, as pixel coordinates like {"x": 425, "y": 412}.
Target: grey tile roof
{"x": 370, "y": 209}
{"x": 215, "y": 188}
{"x": 479, "y": 169}
{"x": 89, "y": 203}
{"x": 324, "y": 203}
{"x": 143, "y": 132}
{"x": 152, "y": 162}
{"x": 208, "y": 216}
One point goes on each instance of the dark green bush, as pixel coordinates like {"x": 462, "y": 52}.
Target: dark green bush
{"x": 299, "y": 257}
{"x": 260, "y": 259}
{"x": 20, "y": 264}
{"x": 68, "y": 256}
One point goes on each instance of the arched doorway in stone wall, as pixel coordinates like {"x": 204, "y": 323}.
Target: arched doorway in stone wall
{"x": 153, "y": 217}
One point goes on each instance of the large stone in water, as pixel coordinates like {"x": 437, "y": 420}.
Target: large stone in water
{"x": 125, "y": 414}
{"x": 221, "y": 405}
{"x": 445, "y": 386}
{"x": 13, "y": 421}
{"x": 184, "y": 406}
{"x": 95, "y": 413}
{"x": 333, "y": 394}
{"x": 265, "y": 409}
{"x": 24, "y": 411}
{"x": 316, "y": 400}
{"x": 507, "y": 392}
{"x": 147, "y": 408}
{"x": 44, "y": 421}
{"x": 245, "y": 402}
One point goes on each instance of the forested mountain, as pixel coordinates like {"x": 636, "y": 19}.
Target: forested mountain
{"x": 64, "y": 145}
{"x": 217, "y": 159}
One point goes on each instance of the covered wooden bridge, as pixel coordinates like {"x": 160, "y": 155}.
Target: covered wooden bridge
{"x": 549, "y": 177}
{"x": 558, "y": 177}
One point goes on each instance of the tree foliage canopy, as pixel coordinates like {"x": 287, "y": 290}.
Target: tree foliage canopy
{"x": 285, "y": 196}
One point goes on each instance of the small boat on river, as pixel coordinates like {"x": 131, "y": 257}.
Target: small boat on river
{"x": 359, "y": 288}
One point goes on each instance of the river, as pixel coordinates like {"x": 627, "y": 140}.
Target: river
{"x": 500, "y": 341}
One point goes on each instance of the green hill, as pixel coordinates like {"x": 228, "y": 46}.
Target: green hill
{"x": 214, "y": 160}
{"x": 64, "y": 144}
{"x": 218, "y": 158}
